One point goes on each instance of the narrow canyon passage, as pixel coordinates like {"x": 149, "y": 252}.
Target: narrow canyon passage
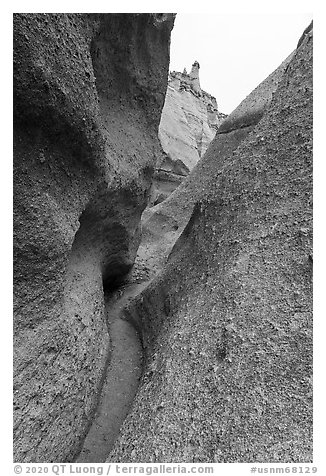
{"x": 163, "y": 290}
{"x": 122, "y": 377}
{"x": 125, "y": 364}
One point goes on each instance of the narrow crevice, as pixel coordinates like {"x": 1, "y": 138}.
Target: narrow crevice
{"x": 122, "y": 375}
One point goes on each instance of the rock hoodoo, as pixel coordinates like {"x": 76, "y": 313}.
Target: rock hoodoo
{"x": 189, "y": 122}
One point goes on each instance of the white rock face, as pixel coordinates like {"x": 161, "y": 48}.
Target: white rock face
{"x": 189, "y": 121}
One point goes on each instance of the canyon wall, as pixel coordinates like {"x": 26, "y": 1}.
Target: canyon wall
{"x": 88, "y": 94}
{"x": 190, "y": 119}
{"x": 163, "y": 223}
{"x": 227, "y": 325}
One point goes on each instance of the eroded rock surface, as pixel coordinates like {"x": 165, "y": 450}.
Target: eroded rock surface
{"x": 227, "y": 326}
{"x": 190, "y": 119}
{"x": 89, "y": 90}
{"x": 163, "y": 223}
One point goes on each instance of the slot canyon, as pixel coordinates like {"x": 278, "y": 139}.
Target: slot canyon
{"x": 162, "y": 251}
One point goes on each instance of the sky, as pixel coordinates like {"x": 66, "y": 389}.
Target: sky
{"x": 235, "y": 52}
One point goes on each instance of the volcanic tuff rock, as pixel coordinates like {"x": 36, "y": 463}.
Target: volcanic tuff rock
{"x": 163, "y": 223}
{"x": 88, "y": 94}
{"x": 227, "y": 325}
{"x": 190, "y": 119}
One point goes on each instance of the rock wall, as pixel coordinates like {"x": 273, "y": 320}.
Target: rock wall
{"x": 228, "y": 324}
{"x": 88, "y": 93}
{"x": 190, "y": 119}
{"x": 163, "y": 223}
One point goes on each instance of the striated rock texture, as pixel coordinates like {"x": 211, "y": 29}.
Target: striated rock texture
{"x": 190, "y": 119}
{"x": 88, "y": 94}
{"x": 228, "y": 324}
